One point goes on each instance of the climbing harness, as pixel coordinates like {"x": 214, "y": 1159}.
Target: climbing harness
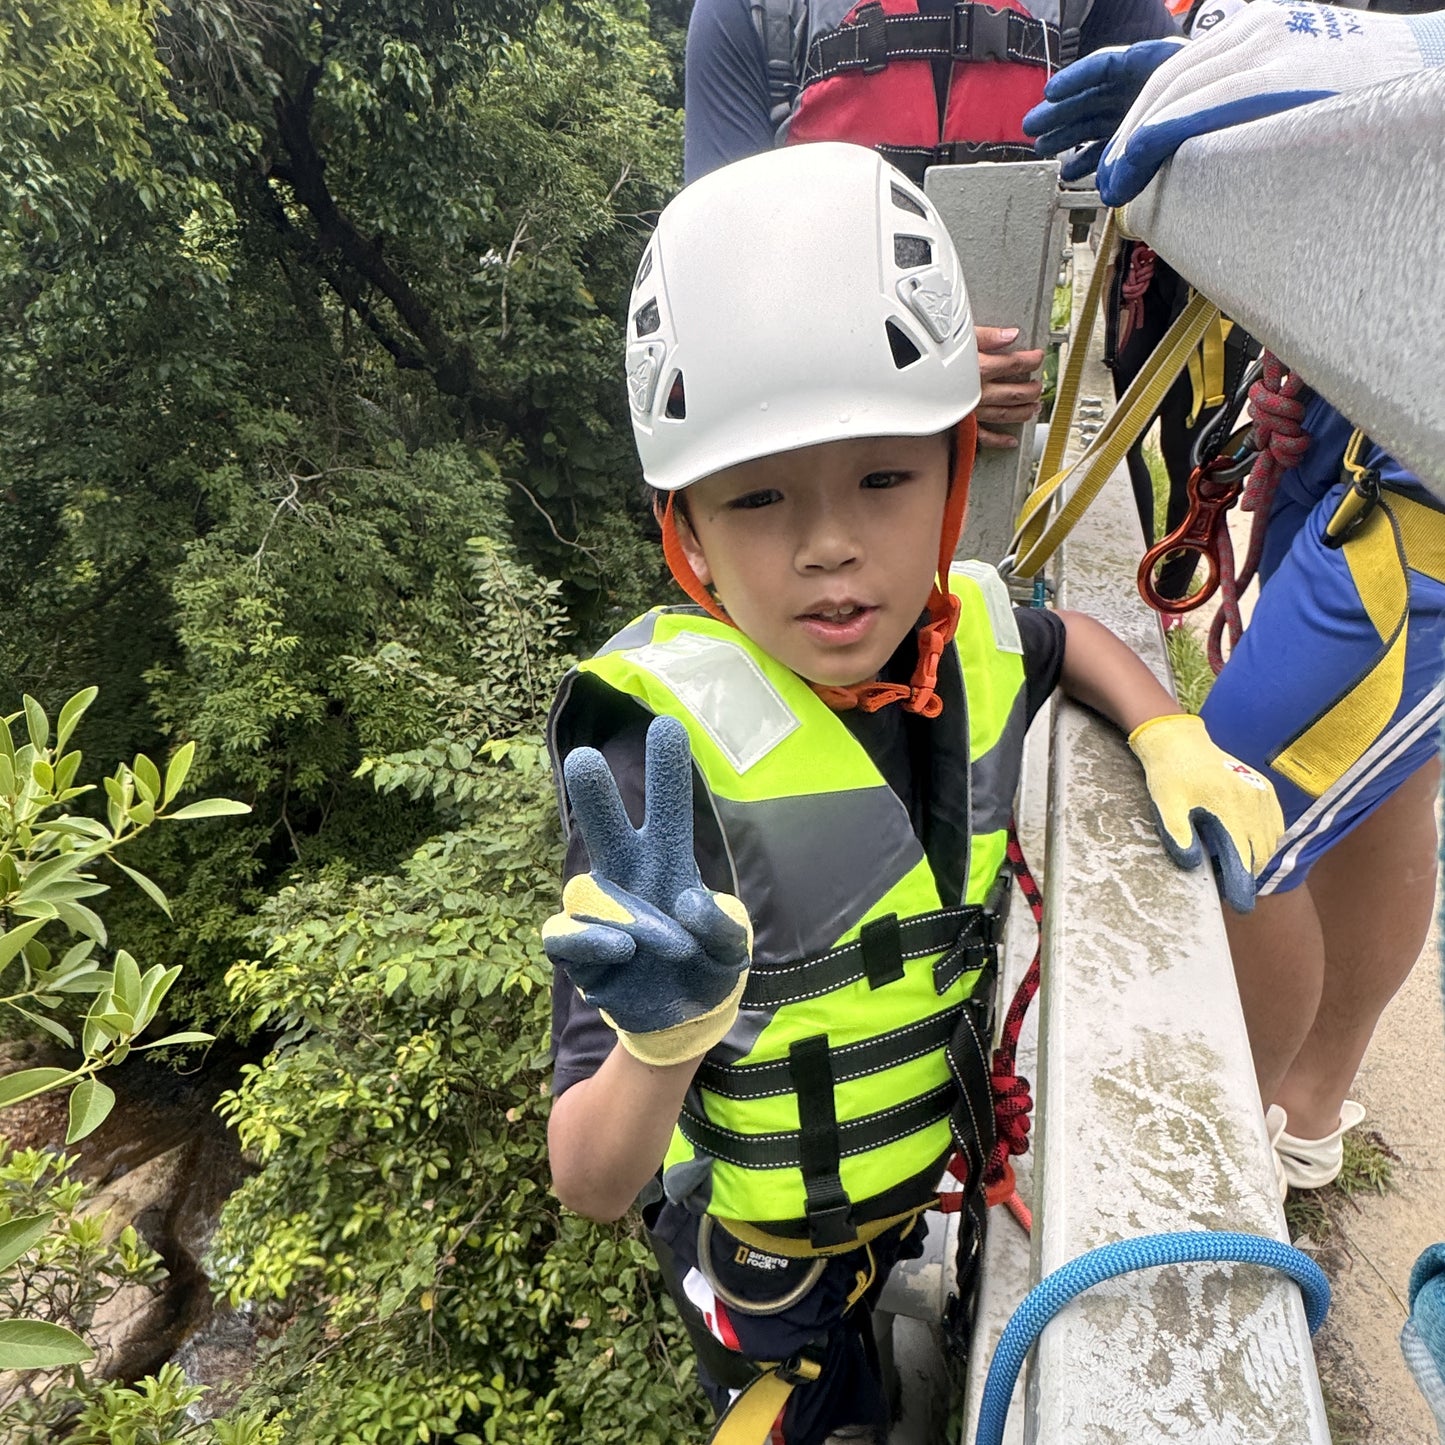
{"x": 762, "y": 1399}
{"x": 1213, "y": 490}
{"x": 1383, "y": 536}
{"x": 1109, "y": 1261}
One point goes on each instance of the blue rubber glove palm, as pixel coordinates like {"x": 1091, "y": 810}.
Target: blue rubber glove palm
{"x": 1085, "y": 103}
{"x": 662, "y": 957}
{"x": 1207, "y": 803}
{"x": 1271, "y": 57}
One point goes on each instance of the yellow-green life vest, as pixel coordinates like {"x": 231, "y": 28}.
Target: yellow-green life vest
{"x": 828, "y": 1105}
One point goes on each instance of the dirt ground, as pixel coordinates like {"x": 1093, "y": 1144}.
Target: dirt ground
{"x": 1372, "y": 1396}
{"x": 1402, "y": 1084}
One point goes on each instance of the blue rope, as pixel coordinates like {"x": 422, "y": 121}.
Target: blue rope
{"x": 1054, "y": 1291}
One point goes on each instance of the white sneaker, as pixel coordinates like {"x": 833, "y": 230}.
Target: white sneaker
{"x": 1313, "y": 1163}
{"x": 1275, "y": 1119}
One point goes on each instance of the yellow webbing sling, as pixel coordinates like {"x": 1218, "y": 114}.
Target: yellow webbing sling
{"x": 749, "y": 1419}
{"x": 1397, "y": 535}
{"x": 1206, "y": 370}
{"x": 1039, "y": 528}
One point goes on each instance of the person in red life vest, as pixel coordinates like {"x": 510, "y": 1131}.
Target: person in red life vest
{"x": 925, "y": 82}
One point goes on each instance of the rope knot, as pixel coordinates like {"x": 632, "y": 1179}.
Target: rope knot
{"x": 1137, "y": 280}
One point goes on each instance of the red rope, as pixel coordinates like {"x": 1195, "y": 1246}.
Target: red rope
{"x": 1012, "y": 1102}
{"x": 1277, "y": 410}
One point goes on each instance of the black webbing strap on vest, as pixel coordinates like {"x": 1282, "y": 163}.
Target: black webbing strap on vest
{"x": 783, "y": 1149}
{"x": 946, "y": 930}
{"x": 851, "y": 1061}
{"x": 819, "y": 1144}
{"x": 913, "y": 161}
{"x": 970, "y": 32}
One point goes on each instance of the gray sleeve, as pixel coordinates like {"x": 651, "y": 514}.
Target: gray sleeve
{"x": 726, "y": 84}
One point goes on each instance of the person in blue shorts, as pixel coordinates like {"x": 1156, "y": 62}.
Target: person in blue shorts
{"x": 1335, "y": 687}
{"x": 1345, "y": 903}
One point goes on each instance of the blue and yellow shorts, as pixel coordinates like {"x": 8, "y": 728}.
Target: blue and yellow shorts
{"x": 1312, "y": 642}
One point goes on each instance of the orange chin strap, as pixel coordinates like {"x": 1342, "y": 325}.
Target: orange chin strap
{"x": 918, "y": 696}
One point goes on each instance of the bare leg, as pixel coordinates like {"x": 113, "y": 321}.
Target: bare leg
{"x": 1279, "y": 966}
{"x": 1374, "y": 893}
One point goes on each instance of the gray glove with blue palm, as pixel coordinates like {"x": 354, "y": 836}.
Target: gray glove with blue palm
{"x": 664, "y": 959}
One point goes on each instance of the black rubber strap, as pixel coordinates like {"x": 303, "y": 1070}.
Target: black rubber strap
{"x": 913, "y": 161}
{"x": 782, "y": 1150}
{"x": 818, "y": 1143}
{"x": 918, "y": 937}
{"x": 852, "y": 1061}
{"x": 970, "y": 32}
{"x": 971, "y": 1119}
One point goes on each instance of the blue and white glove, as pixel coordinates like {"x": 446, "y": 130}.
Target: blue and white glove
{"x": 1271, "y": 57}
{"x": 1086, "y": 102}
{"x": 664, "y": 959}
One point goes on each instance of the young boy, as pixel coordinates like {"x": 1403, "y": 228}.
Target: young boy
{"x": 777, "y": 992}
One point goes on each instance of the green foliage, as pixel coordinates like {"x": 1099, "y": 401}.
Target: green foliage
{"x": 47, "y": 854}
{"x": 63, "y": 1272}
{"x": 349, "y": 293}
{"x": 1189, "y": 662}
{"x": 401, "y": 1207}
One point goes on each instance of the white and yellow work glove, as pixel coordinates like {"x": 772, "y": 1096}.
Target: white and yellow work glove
{"x": 664, "y": 959}
{"x": 1272, "y": 56}
{"x": 1208, "y": 803}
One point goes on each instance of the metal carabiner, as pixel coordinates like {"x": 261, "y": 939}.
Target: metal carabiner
{"x": 1213, "y": 490}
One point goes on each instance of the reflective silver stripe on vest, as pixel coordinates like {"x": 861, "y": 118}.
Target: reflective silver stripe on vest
{"x": 996, "y": 773}
{"x": 726, "y": 692}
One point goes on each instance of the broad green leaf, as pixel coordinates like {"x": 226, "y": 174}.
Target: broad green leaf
{"x": 147, "y": 778}
{"x": 153, "y": 988}
{"x": 12, "y": 942}
{"x": 179, "y": 769}
{"x": 29, "y": 1082}
{"x": 191, "y": 1036}
{"x": 36, "y": 723}
{"x": 127, "y": 982}
{"x": 210, "y": 808}
{"x": 19, "y": 1235}
{"x": 71, "y": 714}
{"x": 146, "y": 886}
{"x": 90, "y": 1105}
{"x": 56, "y": 1030}
{"x": 36, "y": 1345}
{"x": 7, "y": 741}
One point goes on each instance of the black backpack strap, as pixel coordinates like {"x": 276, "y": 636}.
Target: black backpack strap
{"x": 1072, "y": 14}
{"x": 779, "y": 24}
{"x": 967, "y": 32}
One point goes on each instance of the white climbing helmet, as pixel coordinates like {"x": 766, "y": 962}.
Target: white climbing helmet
{"x": 804, "y": 295}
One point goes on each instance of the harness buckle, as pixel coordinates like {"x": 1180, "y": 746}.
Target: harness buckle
{"x": 1354, "y": 507}
{"x": 979, "y": 33}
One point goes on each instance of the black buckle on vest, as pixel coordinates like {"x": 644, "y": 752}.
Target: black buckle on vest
{"x": 882, "y": 945}
{"x": 980, "y": 33}
{"x": 829, "y": 1224}
{"x": 872, "y": 39}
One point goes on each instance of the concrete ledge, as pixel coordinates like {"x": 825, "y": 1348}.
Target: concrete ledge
{"x": 1320, "y": 230}
{"x": 1147, "y": 1115}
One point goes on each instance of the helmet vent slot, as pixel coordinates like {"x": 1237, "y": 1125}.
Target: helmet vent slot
{"x": 911, "y": 251}
{"x": 676, "y": 407}
{"x": 905, "y": 351}
{"x": 644, "y": 270}
{"x": 647, "y": 318}
{"x": 905, "y": 202}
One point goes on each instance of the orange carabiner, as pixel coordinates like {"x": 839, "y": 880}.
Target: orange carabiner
{"x": 1213, "y": 490}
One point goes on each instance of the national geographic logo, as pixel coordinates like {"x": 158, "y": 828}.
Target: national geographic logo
{"x": 751, "y": 1258}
